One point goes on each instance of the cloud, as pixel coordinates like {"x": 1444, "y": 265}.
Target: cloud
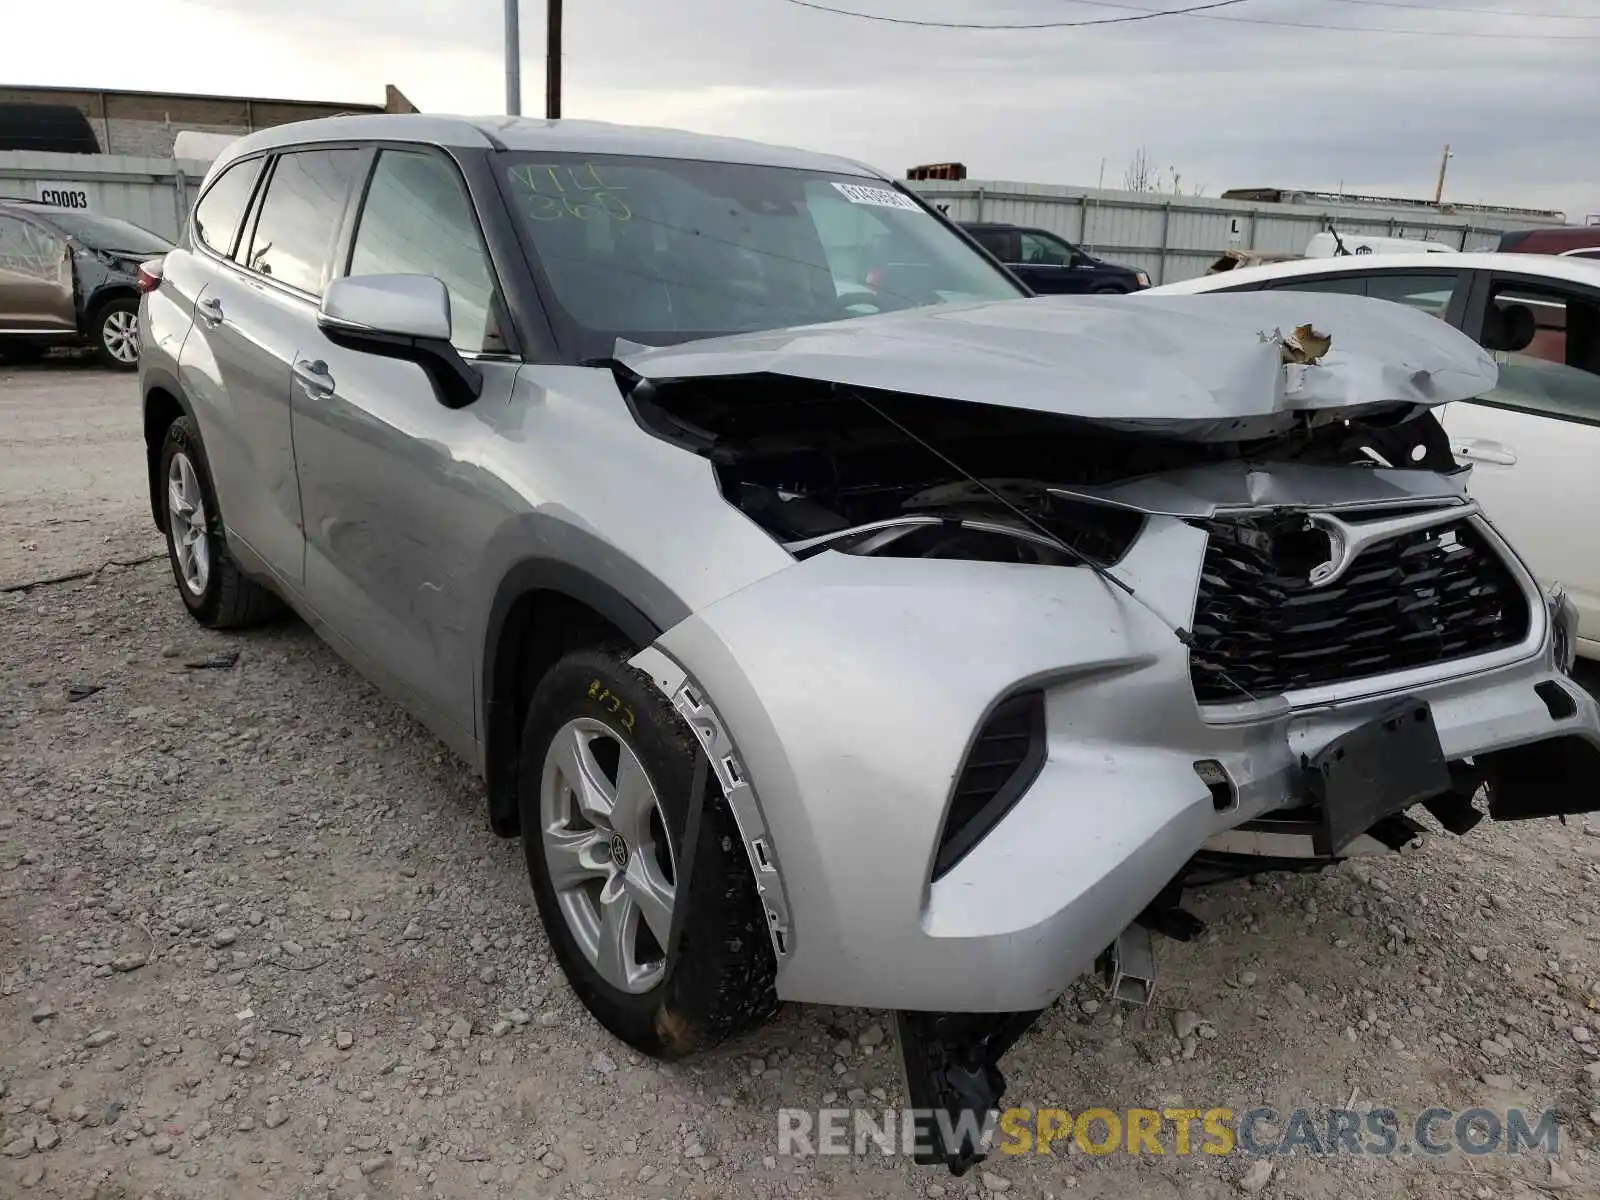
{"x": 1225, "y": 103}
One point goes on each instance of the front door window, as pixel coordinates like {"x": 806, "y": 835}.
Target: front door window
{"x": 1045, "y": 251}
{"x": 1546, "y": 338}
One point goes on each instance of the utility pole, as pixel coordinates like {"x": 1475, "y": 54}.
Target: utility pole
{"x": 513, "y": 60}
{"x": 1438, "y": 192}
{"x": 552, "y": 60}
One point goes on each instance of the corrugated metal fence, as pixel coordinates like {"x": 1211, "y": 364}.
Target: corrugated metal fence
{"x": 1178, "y": 237}
{"x": 154, "y": 193}
{"x": 1171, "y": 237}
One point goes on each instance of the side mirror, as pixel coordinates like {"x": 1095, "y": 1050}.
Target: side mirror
{"x": 405, "y": 317}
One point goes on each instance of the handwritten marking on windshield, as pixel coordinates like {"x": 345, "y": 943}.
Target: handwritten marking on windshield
{"x": 553, "y": 192}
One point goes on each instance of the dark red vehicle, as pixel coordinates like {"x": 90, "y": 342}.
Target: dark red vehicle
{"x": 1577, "y": 241}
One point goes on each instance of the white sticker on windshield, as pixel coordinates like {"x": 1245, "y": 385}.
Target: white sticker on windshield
{"x": 882, "y": 197}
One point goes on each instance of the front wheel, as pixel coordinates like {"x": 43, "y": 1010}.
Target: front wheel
{"x": 604, "y": 781}
{"x": 116, "y": 334}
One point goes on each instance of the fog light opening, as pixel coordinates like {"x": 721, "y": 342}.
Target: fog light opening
{"x": 1215, "y": 777}
{"x": 1557, "y": 701}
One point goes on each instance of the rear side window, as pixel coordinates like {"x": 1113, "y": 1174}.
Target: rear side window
{"x": 1431, "y": 292}
{"x": 28, "y": 251}
{"x": 216, "y": 217}
{"x": 300, "y": 214}
{"x": 994, "y": 241}
{"x": 417, "y": 220}
{"x": 1345, "y": 285}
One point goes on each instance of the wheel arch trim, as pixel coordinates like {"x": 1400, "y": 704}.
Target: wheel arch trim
{"x": 692, "y": 704}
{"x": 526, "y": 575}
{"x": 153, "y": 380}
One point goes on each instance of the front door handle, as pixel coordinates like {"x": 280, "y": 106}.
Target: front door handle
{"x": 314, "y": 378}
{"x": 1483, "y": 450}
{"x": 210, "y": 311}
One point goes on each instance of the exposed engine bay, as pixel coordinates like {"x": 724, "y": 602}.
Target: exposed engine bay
{"x": 830, "y": 466}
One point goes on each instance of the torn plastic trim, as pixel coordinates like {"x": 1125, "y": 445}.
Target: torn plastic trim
{"x": 1220, "y": 489}
{"x": 691, "y": 703}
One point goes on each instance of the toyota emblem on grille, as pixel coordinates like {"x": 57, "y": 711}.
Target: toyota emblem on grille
{"x": 1347, "y": 540}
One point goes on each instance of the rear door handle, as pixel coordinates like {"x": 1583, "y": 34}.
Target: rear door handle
{"x": 210, "y": 311}
{"x": 314, "y": 378}
{"x": 1482, "y": 450}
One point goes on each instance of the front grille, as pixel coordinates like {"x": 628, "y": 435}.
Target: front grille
{"x": 1431, "y": 596}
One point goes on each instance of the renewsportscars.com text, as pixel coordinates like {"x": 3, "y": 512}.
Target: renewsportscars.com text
{"x": 1258, "y": 1132}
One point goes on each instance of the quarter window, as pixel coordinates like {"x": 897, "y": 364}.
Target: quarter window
{"x": 300, "y": 214}
{"x": 216, "y": 217}
{"x": 417, "y": 220}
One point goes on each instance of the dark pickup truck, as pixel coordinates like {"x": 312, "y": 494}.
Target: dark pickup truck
{"x": 1049, "y": 264}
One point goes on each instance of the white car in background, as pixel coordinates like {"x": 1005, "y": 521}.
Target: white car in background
{"x": 1534, "y": 441}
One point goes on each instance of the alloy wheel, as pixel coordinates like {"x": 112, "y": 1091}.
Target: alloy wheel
{"x": 186, "y": 518}
{"x": 608, "y": 854}
{"x": 120, "y": 333}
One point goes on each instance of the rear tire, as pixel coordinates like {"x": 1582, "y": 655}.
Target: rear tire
{"x": 595, "y": 716}
{"x": 215, "y": 591}
{"x": 115, "y": 330}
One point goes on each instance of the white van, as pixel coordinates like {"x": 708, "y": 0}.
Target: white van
{"x": 1325, "y": 245}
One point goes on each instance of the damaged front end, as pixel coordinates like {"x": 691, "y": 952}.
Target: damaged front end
{"x": 1090, "y": 599}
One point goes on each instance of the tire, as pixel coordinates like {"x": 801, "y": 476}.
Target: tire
{"x": 720, "y": 980}
{"x": 218, "y": 595}
{"x": 1109, "y": 289}
{"x": 115, "y": 332}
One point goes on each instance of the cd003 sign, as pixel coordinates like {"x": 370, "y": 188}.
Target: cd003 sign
{"x": 66, "y": 195}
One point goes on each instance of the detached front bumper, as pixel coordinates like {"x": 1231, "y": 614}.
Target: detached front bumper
{"x": 851, "y": 689}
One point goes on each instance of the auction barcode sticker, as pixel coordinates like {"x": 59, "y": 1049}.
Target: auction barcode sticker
{"x": 882, "y": 197}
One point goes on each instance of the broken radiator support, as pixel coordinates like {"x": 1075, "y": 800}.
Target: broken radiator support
{"x": 952, "y": 1063}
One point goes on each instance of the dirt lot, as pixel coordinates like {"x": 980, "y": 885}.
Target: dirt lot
{"x": 255, "y": 938}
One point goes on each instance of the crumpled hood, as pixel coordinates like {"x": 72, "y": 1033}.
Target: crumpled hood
{"x": 1205, "y": 367}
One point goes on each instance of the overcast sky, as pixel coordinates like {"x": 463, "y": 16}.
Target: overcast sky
{"x": 1224, "y": 103}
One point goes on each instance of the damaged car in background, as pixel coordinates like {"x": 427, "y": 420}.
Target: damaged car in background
{"x": 915, "y": 660}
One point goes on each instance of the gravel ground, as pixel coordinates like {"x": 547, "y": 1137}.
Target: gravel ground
{"x": 71, "y": 472}
{"x": 255, "y": 938}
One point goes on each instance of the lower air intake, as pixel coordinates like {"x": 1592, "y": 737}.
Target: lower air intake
{"x": 1004, "y": 761}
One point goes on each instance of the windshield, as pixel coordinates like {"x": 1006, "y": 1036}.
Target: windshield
{"x": 665, "y": 250}
{"x": 108, "y": 233}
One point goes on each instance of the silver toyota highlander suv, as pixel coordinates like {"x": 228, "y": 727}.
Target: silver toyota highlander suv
{"x": 832, "y": 620}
